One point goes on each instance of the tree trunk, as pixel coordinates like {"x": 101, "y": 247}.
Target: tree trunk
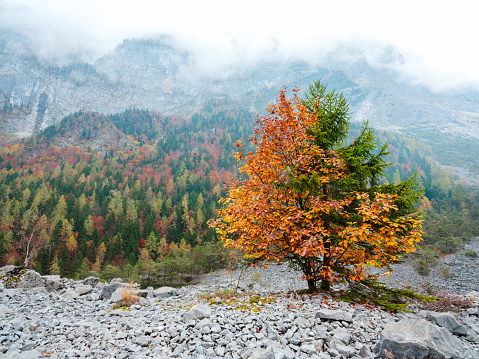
{"x": 325, "y": 285}
{"x": 308, "y": 273}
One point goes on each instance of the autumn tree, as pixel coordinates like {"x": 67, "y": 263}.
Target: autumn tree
{"x": 311, "y": 200}
{"x": 33, "y": 235}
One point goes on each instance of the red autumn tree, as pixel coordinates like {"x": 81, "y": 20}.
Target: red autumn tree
{"x": 309, "y": 200}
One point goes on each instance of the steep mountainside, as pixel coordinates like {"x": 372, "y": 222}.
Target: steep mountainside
{"x": 158, "y": 75}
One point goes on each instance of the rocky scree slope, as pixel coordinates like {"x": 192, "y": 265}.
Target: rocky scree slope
{"x": 60, "y": 318}
{"x": 455, "y": 273}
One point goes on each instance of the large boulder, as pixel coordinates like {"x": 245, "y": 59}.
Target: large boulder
{"x": 31, "y": 279}
{"x": 18, "y": 277}
{"x": 53, "y": 283}
{"x": 109, "y": 289}
{"x": 447, "y": 321}
{"x": 417, "y": 338}
{"x": 92, "y": 281}
{"x": 83, "y": 289}
{"x": 164, "y": 292}
{"x": 116, "y": 296}
{"x": 6, "y": 269}
{"x": 197, "y": 312}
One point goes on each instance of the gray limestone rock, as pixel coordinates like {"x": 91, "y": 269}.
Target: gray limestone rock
{"x": 28, "y": 354}
{"x": 54, "y": 325}
{"x": 308, "y": 348}
{"x": 203, "y": 323}
{"x": 70, "y": 294}
{"x": 417, "y": 338}
{"x": 164, "y": 292}
{"x": 334, "y": 315}
{"x": 41, "y": 290}
{"x": 53, "y": 283}
{"x": 342, "y": 349}
{"x": 342, "y": 335}
{"x": 31, "y": 279}
{"x": 5, "y": 269}
{"x": 83, "y": 289}
{"x": 364, "y": 352}
{"x": 215, "y": 328}
{"x": 197, "y": 312}
{"x": 142, "y": 341}
{"x": 4, "y": 310}
{"x": 473, "y": 296}
{"x": 303, "y": 323}
{"x": 257, "y": 353}
{"x": 143, "y": 293}
{"x": 473, "y": 311}
{"x": 109, "y": 289}
{"x": 220, "y": 351}
{"x": 116, "y": 296}
{"x": 447, "y": 320}
{"x": 92, "y": 281}
{"x": 17, "y": 277}
{"x": 284, "y": 353}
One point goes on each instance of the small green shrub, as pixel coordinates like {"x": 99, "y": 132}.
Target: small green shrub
{"x": 428, "y": 288}
{"x": 445, "y": 272}
{"x": 254, "y": 300}
{"x": 422, "y": 267}
{"x": 471, "y": 253}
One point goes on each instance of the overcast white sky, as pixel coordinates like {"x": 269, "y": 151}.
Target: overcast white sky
{"x": 440, "y": 37}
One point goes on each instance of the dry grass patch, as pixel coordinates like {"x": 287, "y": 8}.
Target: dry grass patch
{"x": 129, "y": 296}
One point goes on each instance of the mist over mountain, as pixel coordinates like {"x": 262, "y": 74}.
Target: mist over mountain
{"x": 161, "y": 74}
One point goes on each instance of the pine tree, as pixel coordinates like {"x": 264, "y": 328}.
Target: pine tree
{"x": 365, "y": 163}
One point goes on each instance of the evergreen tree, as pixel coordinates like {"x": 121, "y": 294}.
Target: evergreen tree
{"x": 365, "y": 163}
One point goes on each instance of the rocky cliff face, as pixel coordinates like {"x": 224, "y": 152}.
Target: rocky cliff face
{"x": 157, "y": 75}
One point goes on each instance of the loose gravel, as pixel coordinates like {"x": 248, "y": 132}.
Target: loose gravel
{"x": 269, "y": 319}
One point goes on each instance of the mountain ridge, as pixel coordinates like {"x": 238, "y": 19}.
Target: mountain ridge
{"x": 156, "y": 74}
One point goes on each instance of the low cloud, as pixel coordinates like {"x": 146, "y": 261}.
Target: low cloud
{"x": 219, "y": 35}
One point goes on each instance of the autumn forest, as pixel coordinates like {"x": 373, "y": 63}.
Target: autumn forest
{"x": 131, "y": 194}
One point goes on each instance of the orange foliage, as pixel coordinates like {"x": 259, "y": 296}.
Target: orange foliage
{"x": 272, "y": 215}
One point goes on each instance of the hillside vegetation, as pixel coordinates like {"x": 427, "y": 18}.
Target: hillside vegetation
{"x": 133, "y": 192}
